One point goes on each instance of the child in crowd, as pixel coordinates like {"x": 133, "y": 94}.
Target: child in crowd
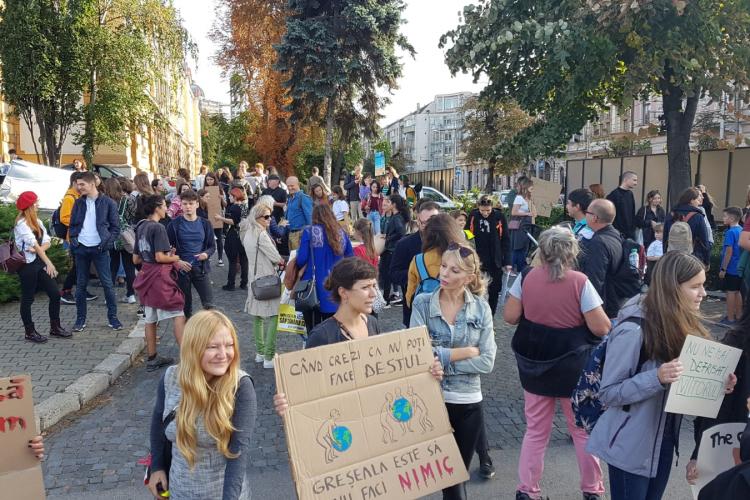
{"x": 655, "y": 250}
{"x": 730, "y": 258}
{"x": 156, "y": 284}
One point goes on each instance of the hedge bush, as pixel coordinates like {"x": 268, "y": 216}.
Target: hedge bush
{"x": 10, "y": 288}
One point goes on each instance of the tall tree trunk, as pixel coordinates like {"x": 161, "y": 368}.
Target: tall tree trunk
{"x": 327, "y": 159}
{"x": 679, "y": 125}
{"x": 89, "y": 136}
{"x": 490, "y": 187}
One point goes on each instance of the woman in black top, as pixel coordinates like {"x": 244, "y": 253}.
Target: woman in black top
{"x": 233, "y": 245}
{"x": 397, "y": 216}
{"x": 649, "y": 215}
{"x": 353, "y": 286}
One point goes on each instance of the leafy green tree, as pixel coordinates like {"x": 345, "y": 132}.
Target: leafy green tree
{"x": 490, "y": 128}
{"x": 42, "y": 69}
{"x": 336, "y": 55}
{"x": 133, "y": 51}
{"x": 224, "y": 143}
{"x": 564, "y": 60}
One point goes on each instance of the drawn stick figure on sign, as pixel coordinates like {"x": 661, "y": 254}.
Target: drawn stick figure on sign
{"x": 333, "y": 437}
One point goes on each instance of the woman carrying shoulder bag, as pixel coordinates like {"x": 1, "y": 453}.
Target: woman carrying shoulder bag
{"x": 264, "y": 258}
{"x": 204, "y": 415}
{"x": 32, "y": 239}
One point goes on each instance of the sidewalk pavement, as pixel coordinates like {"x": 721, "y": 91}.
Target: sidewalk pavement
{"x": 68, "y": 373}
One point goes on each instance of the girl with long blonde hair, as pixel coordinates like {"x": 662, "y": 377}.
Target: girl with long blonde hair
{"x": 206, "y": 407}
{"x": 463, "y": 339}
{"x": 39, "y": 272}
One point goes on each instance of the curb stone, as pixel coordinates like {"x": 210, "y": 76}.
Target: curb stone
{"x": 88, "y": 386}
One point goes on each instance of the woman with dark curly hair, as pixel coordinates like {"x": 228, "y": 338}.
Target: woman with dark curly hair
{"x": 396, "y": 217}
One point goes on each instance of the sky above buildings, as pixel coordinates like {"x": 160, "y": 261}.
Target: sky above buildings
{"x": 424, "y": 76}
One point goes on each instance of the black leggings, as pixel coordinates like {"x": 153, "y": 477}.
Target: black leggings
{"x": 219, "y": 233}
{"x": 384, "y": 270}
{"x": 495, "y": 286}
{"x": 236, "y": 252}
{"x": 467, "y": 420}
{"x": 34, "y": 278}
{"x": 314, "y": 318}
{"x": 127, "y": 265}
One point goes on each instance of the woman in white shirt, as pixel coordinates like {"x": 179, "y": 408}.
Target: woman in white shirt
{"x": 39, "y": 273}
{"x": 522, "y": 213}
{"x": 341, "y": 208}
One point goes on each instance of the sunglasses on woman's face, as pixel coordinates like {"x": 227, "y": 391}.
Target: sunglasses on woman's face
{"x": 463, "y": 251}
{"x": 266, "y": 217}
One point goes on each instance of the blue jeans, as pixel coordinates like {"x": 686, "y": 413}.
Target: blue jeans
{"x": 84, "y": 257}
{"x": 627, "y": 486}
{"x": 519, "y": 260}
{"x": 374, "y": 217}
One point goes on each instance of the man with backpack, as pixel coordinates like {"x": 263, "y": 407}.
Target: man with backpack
{"x": 60, "y": 224}
{"x": 491, "y": 237}
{"x": 602, "y": 257}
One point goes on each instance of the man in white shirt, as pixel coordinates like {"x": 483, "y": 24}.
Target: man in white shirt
{"x": 94, "y": 228}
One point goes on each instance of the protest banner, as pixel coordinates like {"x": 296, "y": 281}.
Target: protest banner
{"x": 379, "y": 163}
{"x": 366, "y": 420}
{"x": 214, "y": 205}
{"x": 700, "y": 389}
{"x": 20, "y": 472}
{"x": 719, "y": 451}
{"x": 546, "y": 196}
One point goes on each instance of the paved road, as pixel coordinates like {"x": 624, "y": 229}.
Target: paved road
{"x": 95, "y": 452}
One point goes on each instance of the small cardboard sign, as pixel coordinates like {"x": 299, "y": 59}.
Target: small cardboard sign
{"x": 214, "y": 205}
{"x": 700, "y": 389}
{"x": 366, "y": 420}
{"x": 719, "y": 451}
{"x": 20, "y": 472}
{"x": 546, "y": 196}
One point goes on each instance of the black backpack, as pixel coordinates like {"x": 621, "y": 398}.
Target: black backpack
{"x": 626, "y": 281}
{"x": 58, "y": 228}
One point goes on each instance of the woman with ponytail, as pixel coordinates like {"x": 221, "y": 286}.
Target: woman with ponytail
{"x": 459, "y": 321}
{"x": 39, "y": 273}
{"x": 559, "y": 317}
{"x": 206, "y": 409}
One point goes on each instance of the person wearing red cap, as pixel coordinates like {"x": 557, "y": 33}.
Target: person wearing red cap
{"x": 233, "y": 245}
{"x": 39, "y": 272}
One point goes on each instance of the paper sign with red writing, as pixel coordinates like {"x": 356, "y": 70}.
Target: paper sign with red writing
{"x": 20, "y": 472}
{"x": 367, "y": 421}
{"x": 719, "y": 451}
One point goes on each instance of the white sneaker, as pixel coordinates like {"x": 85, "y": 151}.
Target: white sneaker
{"x": 259, "y": 358}
{"x": 131, "y": 299}
{"x": 220, "y": 263}
{"x": 268, "y": 363}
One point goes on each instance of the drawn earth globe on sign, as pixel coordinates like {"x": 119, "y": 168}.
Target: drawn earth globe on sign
{"x": 402, "y": 410}
{"x": 342, "y": 438}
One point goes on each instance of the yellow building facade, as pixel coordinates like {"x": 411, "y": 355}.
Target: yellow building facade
{"x": 157, "y": 150}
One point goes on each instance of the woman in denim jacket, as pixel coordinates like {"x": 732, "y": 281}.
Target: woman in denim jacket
{"x": 459, "y": 320}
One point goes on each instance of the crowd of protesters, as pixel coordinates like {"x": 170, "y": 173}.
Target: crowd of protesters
{"x": 634, "y": 276}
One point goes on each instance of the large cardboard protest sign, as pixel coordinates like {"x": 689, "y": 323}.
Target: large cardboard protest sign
{"x": 546, "y": 196}
{"x": 214, "y": 205}
{"x": 366, "y": 420}
{"x": 20, "y": 472}
{"x": 700, "y": 389}
{"x": 719, "y": 452}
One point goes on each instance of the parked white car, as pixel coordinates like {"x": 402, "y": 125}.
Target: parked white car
{"x": 442, "y": 200}
{"x": 49, "y": 183}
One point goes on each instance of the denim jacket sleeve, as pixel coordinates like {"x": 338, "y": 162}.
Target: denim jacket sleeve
{"x": 620, "y": 386}
{"x": 485, "y": 362}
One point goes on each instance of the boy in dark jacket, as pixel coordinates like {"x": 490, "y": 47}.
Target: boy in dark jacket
{"x": 155, "y": 284}
{"x": 624, "y": 201}
{"x": 490, "y": 231}
{"x": 192, "y": 237}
